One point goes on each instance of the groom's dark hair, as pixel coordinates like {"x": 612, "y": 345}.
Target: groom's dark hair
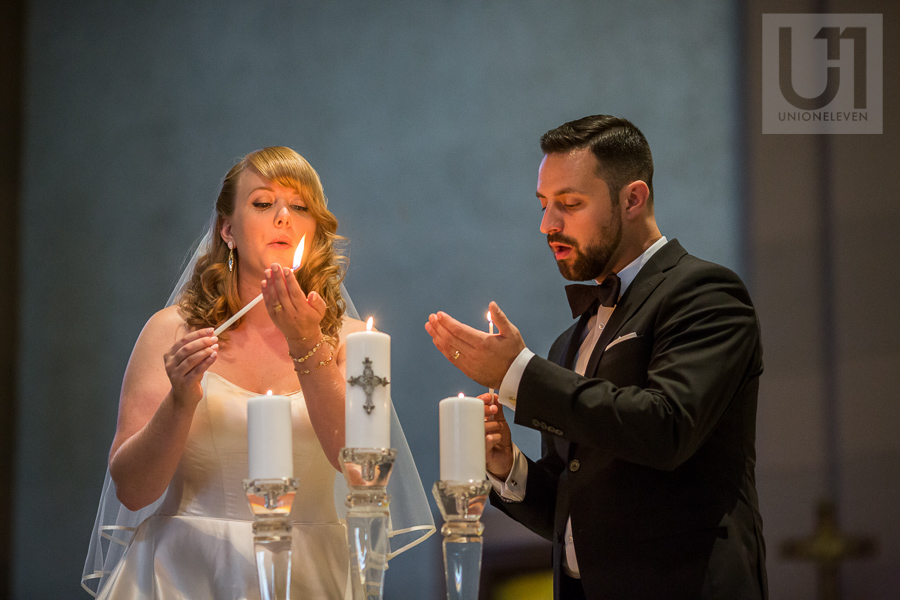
{"x": 621, "y": 149}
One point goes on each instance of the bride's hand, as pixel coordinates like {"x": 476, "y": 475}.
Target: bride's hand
{"x": 296, "y": 314}
{"x": 186, "y": 362}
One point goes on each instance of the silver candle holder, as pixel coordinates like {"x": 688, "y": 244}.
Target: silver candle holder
{"x": 367, "y": 471}
{"x": 271, "y": 501}
{"x": 462, "y": 503}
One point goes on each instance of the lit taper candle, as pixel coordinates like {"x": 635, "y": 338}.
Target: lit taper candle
{"x": 490, "y": 331}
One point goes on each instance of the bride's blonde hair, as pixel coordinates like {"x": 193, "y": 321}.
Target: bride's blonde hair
{"x": 211, "y": 296}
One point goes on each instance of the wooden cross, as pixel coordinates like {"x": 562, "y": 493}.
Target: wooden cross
{"x": 367, "y": 381}
{"x": 828, "y": 547}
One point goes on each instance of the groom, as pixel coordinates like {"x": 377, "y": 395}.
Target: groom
{"x": 646, "y": 405}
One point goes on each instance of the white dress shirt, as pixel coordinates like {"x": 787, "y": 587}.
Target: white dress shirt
{"x": 513, "y": 489}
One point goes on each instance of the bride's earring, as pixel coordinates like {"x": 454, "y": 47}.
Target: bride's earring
{"x": 230, "y": 256}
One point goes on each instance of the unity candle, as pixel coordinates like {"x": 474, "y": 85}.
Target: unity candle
{"x": 462, "y": 439}
{"x": 368, "y": 404}
{"x": 269, "y": 442}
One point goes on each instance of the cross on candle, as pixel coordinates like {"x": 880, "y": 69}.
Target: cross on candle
{"x": 367, "y": 381}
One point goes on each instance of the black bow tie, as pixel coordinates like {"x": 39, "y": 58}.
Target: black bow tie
{"x": 583, "y": 298}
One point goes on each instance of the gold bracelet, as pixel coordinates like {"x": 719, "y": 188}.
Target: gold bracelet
{"x": 321, "y": 364}
{"x": 303, "y": 359}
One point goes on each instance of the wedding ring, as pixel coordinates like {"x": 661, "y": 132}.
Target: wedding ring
{"x": 277, "y": 307}
{"x": 456, "y": 355}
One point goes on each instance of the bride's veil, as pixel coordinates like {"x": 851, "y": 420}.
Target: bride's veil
{"x": 411, "y": 520}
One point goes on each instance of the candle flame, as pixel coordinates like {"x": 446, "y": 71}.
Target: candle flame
{"x": 298, "y": 254}
{"x": 268, "y": 392}
{"x": 369, "y": 324}
{"x": 461, "y": 395}
{"x": 490, "y": 320}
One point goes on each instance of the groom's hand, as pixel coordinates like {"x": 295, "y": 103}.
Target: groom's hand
{"x": 498, "y": 452}
{"x": 484, "y": 358}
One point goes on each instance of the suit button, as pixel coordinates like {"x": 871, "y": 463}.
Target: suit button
{"x": 574, "y": 465}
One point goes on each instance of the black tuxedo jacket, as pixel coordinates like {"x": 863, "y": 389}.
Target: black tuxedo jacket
{"x": 652, "y": 451}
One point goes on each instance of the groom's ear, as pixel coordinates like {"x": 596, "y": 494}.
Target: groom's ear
{"x": 634, "y": 199}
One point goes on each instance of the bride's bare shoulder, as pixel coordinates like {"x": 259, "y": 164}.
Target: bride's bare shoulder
{"x": 166, "y": 326}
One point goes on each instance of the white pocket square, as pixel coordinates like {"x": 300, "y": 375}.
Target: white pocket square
{"x": 622, "y": 338}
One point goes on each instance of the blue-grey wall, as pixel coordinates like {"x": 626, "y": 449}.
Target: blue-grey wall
{"x": 422, "y": 119}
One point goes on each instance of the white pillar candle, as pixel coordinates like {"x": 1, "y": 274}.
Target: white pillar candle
{"x": 368, "y": 416}
{"x": 269, "y": 443}
{"x": 462, "y": 439}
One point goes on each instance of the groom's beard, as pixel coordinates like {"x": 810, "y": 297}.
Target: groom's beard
{"x": 594, "y": 260}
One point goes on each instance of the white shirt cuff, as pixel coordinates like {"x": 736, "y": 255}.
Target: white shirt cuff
{"x": 513, "y": 489}
{"x": 509, "y": 388}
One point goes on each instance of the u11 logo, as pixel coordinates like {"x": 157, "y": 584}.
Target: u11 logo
{"x": 822, "y": 73}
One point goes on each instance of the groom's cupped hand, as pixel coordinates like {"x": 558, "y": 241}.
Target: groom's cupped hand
{"x": 482, "y": 357}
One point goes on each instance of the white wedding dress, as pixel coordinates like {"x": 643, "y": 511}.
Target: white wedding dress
{"x": 199, "y": 542}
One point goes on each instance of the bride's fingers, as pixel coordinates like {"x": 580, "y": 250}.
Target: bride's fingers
{"x": 181, "y": 369}
{"x": 190, "y": 373}
{"x": 197, "y": 371}
{"x": 187, "y": 346}
{"x": 299, "y": 298}
{"x": 317, "y": 303}
{"x": 192, "y": 337}
{"x": 292, "y": 286}
{"x": 194, "y": 346}
{"x": 196, "y": 335}
{"x": 280, "y": 285}
{"x": 270, "y": 295}
{"x": 278, "y": 301}
{"x": 302, "y": 300}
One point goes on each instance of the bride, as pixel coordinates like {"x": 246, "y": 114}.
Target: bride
{"x": 180, "y": 451}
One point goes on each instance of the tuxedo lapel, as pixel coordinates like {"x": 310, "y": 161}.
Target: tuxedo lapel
{"x": 649, "y": 277}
